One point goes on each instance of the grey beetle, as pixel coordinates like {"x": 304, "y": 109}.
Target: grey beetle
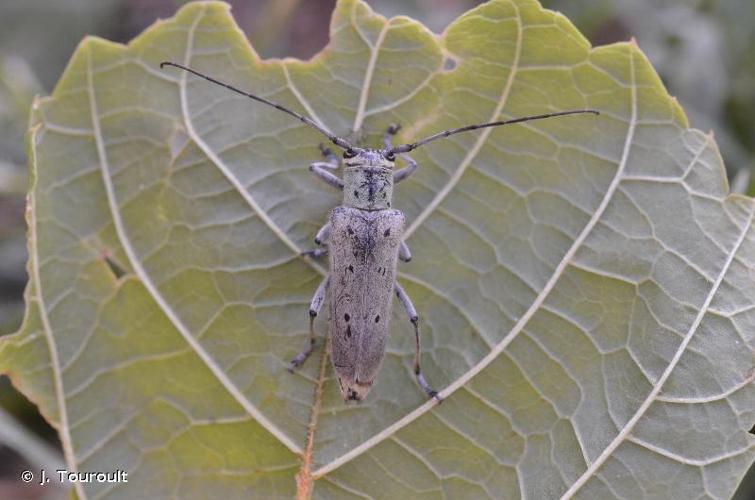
{"x": 363, "y": 240}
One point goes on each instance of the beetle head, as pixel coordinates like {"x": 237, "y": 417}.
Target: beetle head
{"x": 365, "y": 157}
{"x": 367, "y": 179}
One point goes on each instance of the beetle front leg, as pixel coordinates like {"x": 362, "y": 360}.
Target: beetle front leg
{"x": 329, "y": 156}
{"x": 399, "y": 175}
{"x": 320, "y": 168}
{"x": 389, "y": 133}
{"x": 314, "y": 309}
{"x": 414, "y": 318}
{"x": 404, "y": 173}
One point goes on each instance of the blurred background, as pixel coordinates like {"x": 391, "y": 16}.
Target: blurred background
{"x": 703, "y": 49}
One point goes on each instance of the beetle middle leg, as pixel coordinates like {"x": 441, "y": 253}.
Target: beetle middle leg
{"x": 404, "y": 254}
{"x": 314, "y": 309}
{"x": 414, "y": 318}
{"x": 321, "y": 238}
{"x": 399, "y": 175}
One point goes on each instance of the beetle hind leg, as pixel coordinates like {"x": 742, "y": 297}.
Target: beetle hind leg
{"x": 417, "y": 370}
{"x": 414, "y": 318}
{"x": 314, "y": 309}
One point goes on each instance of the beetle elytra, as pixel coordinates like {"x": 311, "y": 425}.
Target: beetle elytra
{"x": 363, "y": 238}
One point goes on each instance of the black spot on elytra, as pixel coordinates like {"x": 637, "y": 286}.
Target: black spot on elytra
{"x": 350, "y": 268}
{"x": 348, "y": 331}
{"x": 377, "y": 319}
{"x": 383, "y": 194}
{"x": 387, "y": 232}
{"x": 356, "y": 193}
{"x": 346, "y": 317}
{"x": 349, "y": 230}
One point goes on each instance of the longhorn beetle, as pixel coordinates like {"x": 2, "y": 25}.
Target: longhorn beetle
{"x": 363, "y": 238}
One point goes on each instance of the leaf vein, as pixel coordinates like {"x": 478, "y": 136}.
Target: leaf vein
{"x": 63, "y": 427}
{"x": 475, "y": 149}
{"x": 141, "y": 272}
{"x": 684, "y": 460}
{"x": 652, "y": 396}
{"x": 374, "y": 52}
{"x": 490, "y": 357}
{"x": 304, "y": 102}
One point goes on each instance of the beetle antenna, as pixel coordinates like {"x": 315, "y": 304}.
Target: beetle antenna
{"x": 338, "y": 141}
{"x": 405, "y": 148}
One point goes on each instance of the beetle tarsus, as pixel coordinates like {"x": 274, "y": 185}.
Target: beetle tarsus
{"x": 389, "y": 133}
{"x": 315, "y": 253}
{"x": 301, "y": 357}
{"x": 432, "y": 393}
{"x": 326, "y": 152}
{"x": 314, "y": 309}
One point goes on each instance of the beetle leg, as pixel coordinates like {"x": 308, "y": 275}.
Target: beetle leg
{"x": 321, "y": 239}
{"x": 399, "y": 175}
{"x": 321, "y": 168}
{"x": 315, "y": 253}
{"x": 389, "y": 133}
{"x": 318, "y": 168}
{"x": 414, "y": 318}
{"x": 404, "y": 173}
{"x": 314, "y": 309}
{"x": 330, "y": 157}
{"x": 404, "y": 254}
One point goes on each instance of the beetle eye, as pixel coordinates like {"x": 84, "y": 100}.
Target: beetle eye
{"x": 349, "y": 153}
{"x": 390, "y": 157}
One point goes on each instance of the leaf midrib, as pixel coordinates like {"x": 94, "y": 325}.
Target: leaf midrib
{"x": 458, "y": 173}
{"x": 535, "y": 306}
{"x": 519, "y": 326}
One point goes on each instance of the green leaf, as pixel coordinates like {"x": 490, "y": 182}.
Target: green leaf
{"x": 584, "y": 283}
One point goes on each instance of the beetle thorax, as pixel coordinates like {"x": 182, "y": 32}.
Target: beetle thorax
{"x": 368, "y": 182}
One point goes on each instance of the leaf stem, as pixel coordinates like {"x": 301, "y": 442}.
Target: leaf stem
{"x": 304, "y": 479}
